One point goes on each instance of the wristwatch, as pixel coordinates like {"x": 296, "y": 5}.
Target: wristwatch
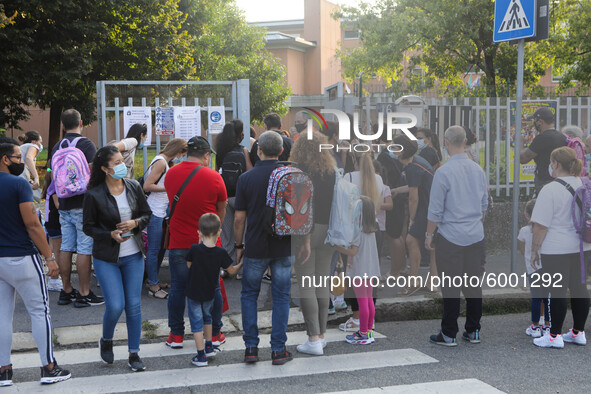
{"x": 52, "y": 258}
{"x": 237, "y": 246}
{"x": 428, "y": 236}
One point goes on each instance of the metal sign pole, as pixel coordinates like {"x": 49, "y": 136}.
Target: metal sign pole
{"x": 516, "y": 165}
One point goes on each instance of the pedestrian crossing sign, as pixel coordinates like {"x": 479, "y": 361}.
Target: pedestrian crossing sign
{"x": 514, "y": 20}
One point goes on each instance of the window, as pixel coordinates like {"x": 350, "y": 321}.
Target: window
{"x": 351, "y": 34}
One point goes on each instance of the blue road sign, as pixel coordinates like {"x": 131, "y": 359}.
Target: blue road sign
{"x": 514, "y": 20}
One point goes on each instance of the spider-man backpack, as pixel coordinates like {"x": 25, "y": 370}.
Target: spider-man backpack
{"x": 288, "y": 209}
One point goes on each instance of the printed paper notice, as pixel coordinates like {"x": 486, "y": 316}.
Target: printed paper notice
{"x": 141, "y": 115}
{"x": 216, "y": 119}
{"x": 164, "y": 120}
{"x": 187, "y": 122}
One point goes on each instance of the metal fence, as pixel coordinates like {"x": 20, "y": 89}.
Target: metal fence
{"x": 491, "y": 120}
{"x": 113, "y": 96}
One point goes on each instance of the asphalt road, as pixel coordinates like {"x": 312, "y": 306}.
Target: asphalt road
{"x": 506, "y": 360}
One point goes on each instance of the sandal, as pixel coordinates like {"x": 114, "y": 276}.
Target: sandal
{"x": 164, "y": 285}
{"x": 408, "y": 291}
{"x": 159, "y": 294}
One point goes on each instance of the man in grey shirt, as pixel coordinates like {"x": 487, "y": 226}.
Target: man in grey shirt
{"x": 459, "y": 199}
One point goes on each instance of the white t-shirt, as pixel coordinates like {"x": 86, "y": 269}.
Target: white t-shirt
{"x": 24, "y": 150}
{"x": 381, "y": 217}
{"x": 525, "y": 236}
{"x": 553, "y": 210}
{"x": 128, "y": 247}
{"x": 158, "y": 201}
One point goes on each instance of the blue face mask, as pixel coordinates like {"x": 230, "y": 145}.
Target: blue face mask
{"x": 141, "y": 145}
{"x": 178, "y": 160}
{"x": 120, "y": 171}
{"x": 421, "y": 144}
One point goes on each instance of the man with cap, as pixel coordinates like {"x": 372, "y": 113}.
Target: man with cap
{"x": 204, "y": 192}
{"x": 544, "y": 143}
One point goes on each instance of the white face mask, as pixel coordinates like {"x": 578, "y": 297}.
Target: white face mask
{"x": 550, "y": 170}
{"x": 40, "y": 148}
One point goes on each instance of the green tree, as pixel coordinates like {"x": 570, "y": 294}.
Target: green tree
{"x": 58, "y": 49}
{"x": 446, "y": 38}
{"x": 571, "y": 43}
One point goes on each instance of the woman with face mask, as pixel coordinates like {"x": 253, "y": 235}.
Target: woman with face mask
{"x": 134, "y": 140}
{"x": 115, "y": 213}
{"x": 429, "y": 149}
{"x": 158, "y": 202}
{"x": 557, "y": 246}
{"x": 32, "y": 145}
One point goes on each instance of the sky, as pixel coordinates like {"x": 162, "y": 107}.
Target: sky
{"x": 276, "y": 10}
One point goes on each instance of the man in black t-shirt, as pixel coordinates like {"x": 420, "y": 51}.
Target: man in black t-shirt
{"x": 273, "y": 122}
{"x": 542, "y": 146}
{"x": 261, "y": 251}
{"x": 73, "y": 238}
{"x": 419, "y": 177}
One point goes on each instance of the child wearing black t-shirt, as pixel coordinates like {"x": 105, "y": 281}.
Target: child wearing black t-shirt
{"x": 204, "y": 261}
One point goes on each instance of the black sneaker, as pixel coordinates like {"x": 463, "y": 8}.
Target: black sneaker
{"x": 280, "y": 358}
{"x": 267, "y": 278}
{"x": 472, "y": 337}
{"x": 94, "y": 300}
{"x": 55, "y": 375}
{"x": 106, "y": 349}
{"x": 6, "y": 378}
{"x": 68, "y": 298}
{"x": 251, "y": 355}
{"x": 135, "y": 363}
{"x": 439, "y": 339}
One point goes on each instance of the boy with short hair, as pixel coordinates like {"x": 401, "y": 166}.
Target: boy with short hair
{"x": 204, "y": 261}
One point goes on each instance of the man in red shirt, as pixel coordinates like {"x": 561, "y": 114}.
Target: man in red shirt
{"x": 205, "y": 193}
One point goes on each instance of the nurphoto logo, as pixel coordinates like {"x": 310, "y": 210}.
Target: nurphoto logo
{"x": 392, "y": 123}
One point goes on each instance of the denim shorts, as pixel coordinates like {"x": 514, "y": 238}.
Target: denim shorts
{"x": 199, "y": 313}
{"x": 73, "y": 238}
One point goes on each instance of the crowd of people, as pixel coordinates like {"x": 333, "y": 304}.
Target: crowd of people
{"x": 209, "y": 210}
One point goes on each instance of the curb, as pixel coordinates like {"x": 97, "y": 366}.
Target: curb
{"x": 417, "y": 307}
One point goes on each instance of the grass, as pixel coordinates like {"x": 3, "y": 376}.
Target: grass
{"x": 149, "y": 329}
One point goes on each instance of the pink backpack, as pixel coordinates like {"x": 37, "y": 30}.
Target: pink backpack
{"x": 577, "y": 145}
{"x": 71, "y": 172}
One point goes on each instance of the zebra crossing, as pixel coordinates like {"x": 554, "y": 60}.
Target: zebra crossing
{"x": 302, "y": 367}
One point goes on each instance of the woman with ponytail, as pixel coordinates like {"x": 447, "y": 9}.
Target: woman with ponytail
{"x": 32, "y": 145}
{"x": 562, "y": 252}
{"x": 115, "y": 213}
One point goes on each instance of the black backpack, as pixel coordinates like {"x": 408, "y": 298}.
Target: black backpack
{"x": 232, "y": 167}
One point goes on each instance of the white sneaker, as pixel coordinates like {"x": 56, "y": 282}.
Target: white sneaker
{"x": 548, "y": 341}
{"x": 545, "y": 330}
{"x": 349, "y": 326}
{"x": 323, "y": 342}
{"x": 55, "y": 284}
{"x": 313, "y": 348}
{"x": 340, "y": 305}
{"x": 534, "y": 331}
{"x": 577, "y": 339}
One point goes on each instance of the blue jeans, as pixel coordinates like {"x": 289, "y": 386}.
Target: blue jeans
{"x": 199, "y": 313}
{"x": 280, "y": 287}
{"x": 121, "y": 284}
{"x": 179, "y": 273}
{"x": 216, "y": 313}
{"x": 153, "y": 260}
